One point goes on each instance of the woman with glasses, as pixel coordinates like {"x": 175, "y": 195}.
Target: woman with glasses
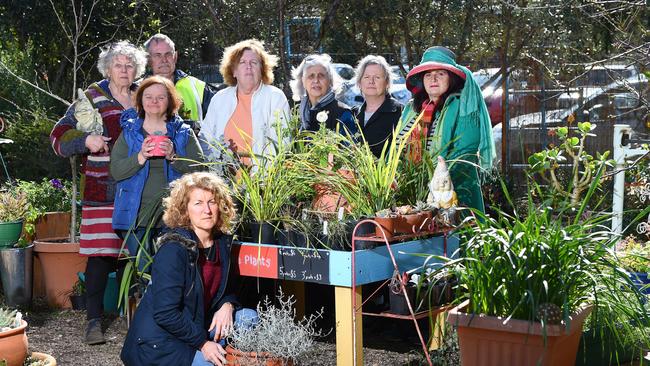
{"x": 453, "y": 121}
{"x": 314, "y": 84}
{"x": 241, "y": 116}
{"x": 89, "y": 129}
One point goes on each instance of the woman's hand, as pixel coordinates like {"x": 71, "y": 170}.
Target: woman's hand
{"x": 213, "y": 353}
{"x": 97, "y": 143}
{"x": 222, "y": 321}
{"x": 168, "y": 147}
{"x": 145, "y": 150}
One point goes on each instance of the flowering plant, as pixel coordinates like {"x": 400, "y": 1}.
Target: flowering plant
{"x": 322, "y": 116}
{"x": 47, "y": 195}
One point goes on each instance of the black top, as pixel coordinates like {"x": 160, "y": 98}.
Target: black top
{"x": 381, "y": 124}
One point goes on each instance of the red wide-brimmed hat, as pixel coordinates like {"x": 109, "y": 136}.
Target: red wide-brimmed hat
{"x": 434, "y": 58}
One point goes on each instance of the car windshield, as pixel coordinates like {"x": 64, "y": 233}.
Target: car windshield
{"x": 345, "y": 71}
{"x": 398, "y": 77}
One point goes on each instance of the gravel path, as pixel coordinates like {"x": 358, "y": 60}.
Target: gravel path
{"x": 60, "y": 334}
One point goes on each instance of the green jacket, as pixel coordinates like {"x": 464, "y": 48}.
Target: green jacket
{"x": 457, "y": 140}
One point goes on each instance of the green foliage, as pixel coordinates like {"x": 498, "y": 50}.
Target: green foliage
{"x": 634, "y": 255}
{"x": 14, "y": 206}
{"x": 31, "y": 148}
{"x": 582, "y": 165}
{"x": 513, "y": 265}
{"x": 79, "y": 288}
{"x": 47, "y": 195}
{"x": 8, "y": 318}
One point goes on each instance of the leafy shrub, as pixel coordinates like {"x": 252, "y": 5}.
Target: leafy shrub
{"x": 31, "y": 157}
{"x": 13, "y": 206}
{"x": 47, "y": 195}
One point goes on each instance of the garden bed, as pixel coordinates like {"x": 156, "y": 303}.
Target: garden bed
{"x": 60, "y": 334}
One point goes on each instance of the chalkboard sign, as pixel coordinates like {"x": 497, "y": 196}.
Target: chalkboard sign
{"x": 307, "y": 265}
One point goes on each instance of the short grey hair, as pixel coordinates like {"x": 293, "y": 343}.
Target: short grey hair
{"x": 323, "y": 60}
{"x": 122, "y": 48}
{"x": 159, "y": 37}
{"x": 373, "y": 60}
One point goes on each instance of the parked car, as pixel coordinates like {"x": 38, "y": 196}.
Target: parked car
{"x": 350, "y": 94}
{"x": 345, "y": 71}
{"x": 524, "y": 88}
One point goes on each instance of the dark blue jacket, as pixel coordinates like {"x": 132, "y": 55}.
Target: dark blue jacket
{"x": 170, "y": 323}
{"x": 129, "y": 191}
{"x": 337, "y": 113}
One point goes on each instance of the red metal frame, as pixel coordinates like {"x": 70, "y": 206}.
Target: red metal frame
{"x": 429, "y": 229}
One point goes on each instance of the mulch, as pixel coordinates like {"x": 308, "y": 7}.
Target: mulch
{"x": 60, "y": 334}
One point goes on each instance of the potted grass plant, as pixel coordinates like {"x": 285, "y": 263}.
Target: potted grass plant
{"x": 265, "y": 184}
{"x": 530, "y": 277}
{"x": 14, "y": 209}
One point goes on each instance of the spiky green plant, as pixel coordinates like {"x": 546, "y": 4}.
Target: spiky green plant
{"x": 8, "y": 318}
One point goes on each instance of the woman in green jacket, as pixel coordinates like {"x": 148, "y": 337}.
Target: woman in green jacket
{"x": 453, "y": 121}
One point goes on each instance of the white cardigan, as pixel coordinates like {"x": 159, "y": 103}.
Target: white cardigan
{"x": 267, "y": 102}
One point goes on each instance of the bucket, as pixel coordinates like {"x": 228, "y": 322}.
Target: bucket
{"x": 16, "y": 272}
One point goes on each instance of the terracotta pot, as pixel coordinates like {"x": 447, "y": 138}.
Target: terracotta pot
{"x": 50, "y": 225}
{"x": 235, "y": 357}
{"x": 13, "y": 345}
{"x": 388, "y": 224}
{"x": 325, "y": 199}
{"x": 45, "y": 358}
{"x": 61, "y": 262}
{"x": 485, "y": 340}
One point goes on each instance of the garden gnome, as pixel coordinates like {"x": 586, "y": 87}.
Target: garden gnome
{"x": 88, "y": 117}
{"x": 442, "y": 195}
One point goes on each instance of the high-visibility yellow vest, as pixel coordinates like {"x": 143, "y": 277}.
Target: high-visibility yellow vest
{"x": 191, "y": 91}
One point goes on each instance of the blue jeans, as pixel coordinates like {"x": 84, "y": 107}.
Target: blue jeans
{"x": 244, "y": 319}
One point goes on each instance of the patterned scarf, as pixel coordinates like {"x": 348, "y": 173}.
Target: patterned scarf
{"x": 306, "y": 108}
{"x": 421, "y": 133}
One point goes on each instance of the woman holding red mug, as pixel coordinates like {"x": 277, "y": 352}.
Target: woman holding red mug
{"x": 144, "y": 161}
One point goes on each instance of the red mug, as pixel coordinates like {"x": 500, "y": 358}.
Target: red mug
{"x": 157, "y": 139}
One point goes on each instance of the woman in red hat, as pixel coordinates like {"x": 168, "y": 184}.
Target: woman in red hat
{"x": 452, "y": 121}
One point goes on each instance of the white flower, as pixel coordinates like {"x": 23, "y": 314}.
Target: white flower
{"x": 322, "y": 116}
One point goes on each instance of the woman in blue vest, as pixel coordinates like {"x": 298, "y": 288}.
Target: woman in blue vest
{"x": 145, "y": 160}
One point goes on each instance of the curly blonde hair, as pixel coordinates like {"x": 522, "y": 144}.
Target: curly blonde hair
{"x": 175, "y": 205}
{"x": 233, "y": 54}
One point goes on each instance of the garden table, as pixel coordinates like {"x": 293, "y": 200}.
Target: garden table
{"x": 337, "y": 268}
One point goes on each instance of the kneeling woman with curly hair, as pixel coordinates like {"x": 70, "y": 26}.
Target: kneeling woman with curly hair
{"x": 189, "y": 306}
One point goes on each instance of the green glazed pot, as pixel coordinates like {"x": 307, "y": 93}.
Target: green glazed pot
{"x": 10, "y": 233}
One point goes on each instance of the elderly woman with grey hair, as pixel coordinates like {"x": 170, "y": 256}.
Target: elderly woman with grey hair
{"x": 379, "y": 113}
{"x": 89, "y": 129}
{"x": 314, "y": 84}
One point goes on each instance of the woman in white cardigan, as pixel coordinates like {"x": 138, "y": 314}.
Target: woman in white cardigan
{"x": 242, "y": 115}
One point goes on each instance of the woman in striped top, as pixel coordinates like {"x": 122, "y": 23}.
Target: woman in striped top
{"x": 89, "y": 129}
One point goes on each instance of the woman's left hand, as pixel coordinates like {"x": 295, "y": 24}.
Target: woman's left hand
{"x": 168, "y": 147}
{"x": 222, "y": 321}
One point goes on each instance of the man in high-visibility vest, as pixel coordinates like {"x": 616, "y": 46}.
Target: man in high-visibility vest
{"x": 195, "y": 93}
